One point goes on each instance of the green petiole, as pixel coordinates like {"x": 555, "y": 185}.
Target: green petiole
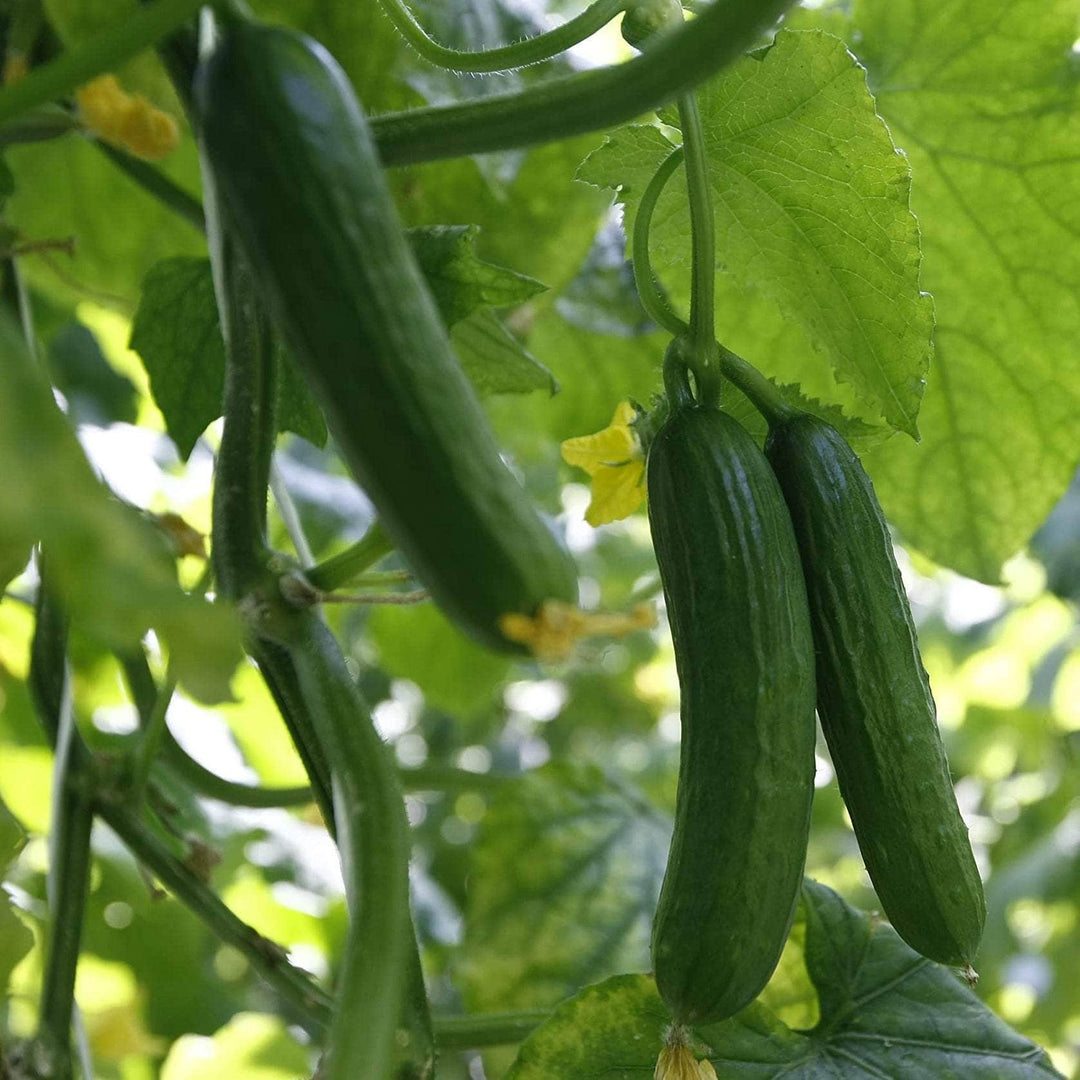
{"x": 507, "y": 57}
{"x": 590, "y": 101}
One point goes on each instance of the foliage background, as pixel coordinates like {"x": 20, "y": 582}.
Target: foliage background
{"x": 576, "y": 764}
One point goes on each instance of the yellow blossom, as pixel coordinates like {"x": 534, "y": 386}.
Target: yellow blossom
{"x": 126, "y": 120}
{"x": 615, "y": 461}
{"x": 677, "y": 1062}
{"x": 553, "y": 631}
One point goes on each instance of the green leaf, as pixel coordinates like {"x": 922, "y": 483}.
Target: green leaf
{"x": 418, "y": 643}
{"x": 494, "y": 360}
{"x": 16, "y": 940}
{"x": 95, "y": 392}
{"x": 812, "y": 220}
{"x": 983, "y": 99}
{"x": 459, "y": 280}
{"x": 112, "y": 567}
{"x": 68, "y": 188}
{"x": 12, "y": 837}
{"x": 177, "y": 333}
{"x": 885, "y": 1012}
{"x": 565, "y": 875}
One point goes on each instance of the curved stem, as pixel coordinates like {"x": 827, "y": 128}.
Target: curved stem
{"x": 702, "y": 250}
{"x": 590, "y": 101}
{"x": 291, "y": 517}
{"x": 100, "y": 53}
{"x": 353, "y": 561}
{"x": 485, "y": 1029}
{"x": 212, "y": 786}
{"x": 267, "y": 958}
{"x": 156, "y": 183}
{"x": 507, "y": 57}
{"x": 762, "y": 393}
{"x": 652, "y": 296}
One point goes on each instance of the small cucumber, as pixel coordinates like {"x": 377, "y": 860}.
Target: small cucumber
{"x": 874, "y": 697}
{"x": 290, "y": 154}
{"x": 737, "y": 607}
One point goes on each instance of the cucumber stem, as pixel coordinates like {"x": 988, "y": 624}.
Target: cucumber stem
{"x": 652, "y": 296}
{"x": 507, "y": 57}
{"x": 345, "y": 567}
{"x": 702, "y": 252}
{"x": 763, "y": 394}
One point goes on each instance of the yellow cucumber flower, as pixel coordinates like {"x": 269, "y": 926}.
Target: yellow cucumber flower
{"x": 126, "y": 120}
{"x": 616, "y": 462}
{"x": 553, "y": 631}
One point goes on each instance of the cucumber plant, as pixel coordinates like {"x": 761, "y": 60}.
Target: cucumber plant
{"x": 348, "y": 228}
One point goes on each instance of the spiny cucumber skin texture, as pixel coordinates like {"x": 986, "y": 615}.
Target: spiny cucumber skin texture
{"x": 737, "y": 607}
{"x": 874, "y": 697}
{"x": 291, "y": 156}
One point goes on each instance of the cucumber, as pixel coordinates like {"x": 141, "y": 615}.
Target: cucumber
{"x": 737, "y": 607}
{"x": 874, "y": 697}
{"x": 289, "y": 152}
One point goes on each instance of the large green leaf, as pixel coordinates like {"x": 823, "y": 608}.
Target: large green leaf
{"x": 565, "y": 876}
{"x": 67, "y": 188}
{"x": 813, "y": 227}
{"x": 112, "y": 567}
{"x": 982, "y": 96}
{"x": 885, "y": 1012}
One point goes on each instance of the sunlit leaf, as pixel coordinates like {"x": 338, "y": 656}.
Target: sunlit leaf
{"x": 885, "y": 1012}
{"x": 983, "y": 99}
{"x": 813, "y": 226}
{"x": 579, "y": 906}
{"x": 111, "y": 566}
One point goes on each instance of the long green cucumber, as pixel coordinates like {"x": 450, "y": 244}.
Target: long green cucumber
{"x": 291, "y": 156}
{"x": 874, "y": 697}
{"x": 738, "y": 613}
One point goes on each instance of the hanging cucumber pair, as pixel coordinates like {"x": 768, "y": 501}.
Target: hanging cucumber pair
{"x": 782, "y": 591}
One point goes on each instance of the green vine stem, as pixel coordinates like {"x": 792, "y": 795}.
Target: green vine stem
{"x": 201, "y": 780}
{"x": 102, "y": 52}
{"x": 242, "y": 471}
{"x": 589, "y": 101}
{"x": 763, "y": 394}
{"x": 268, "y": 959}
{"x": 702, "y": 251}
{"x": 374, "y": 844}
{"x": 69, "y": 849}
{"x": 46, "y": 681}
{"x": 276, "y": 668}
{"x": 485, "y": 1029}
{"x": 653, "y": 298}
{"x": 345, "y": 567}
{"x": 156, "y": 183}
{"x": 507, "y": 57}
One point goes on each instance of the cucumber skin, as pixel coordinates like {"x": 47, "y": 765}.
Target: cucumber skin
{"x": 290, "y": 153}
{"x": 874, "y": 697}
{"x": 737, "y": 608}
